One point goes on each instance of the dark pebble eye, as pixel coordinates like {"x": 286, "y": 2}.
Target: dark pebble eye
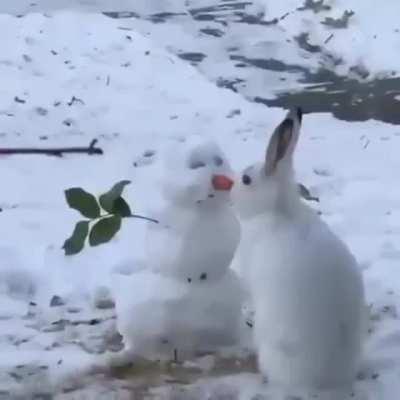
{"x": 196, "y": 164}
{"x": 218, "y": 161}
{"x": 246, "y": 180}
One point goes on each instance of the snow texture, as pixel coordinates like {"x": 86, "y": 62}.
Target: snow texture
{"x": 69, "y": 77}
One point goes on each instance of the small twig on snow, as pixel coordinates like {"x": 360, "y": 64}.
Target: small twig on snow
{"x": 75, "y": 100}
{"x": 284, "y": 16}
{"x": 55, "y": 151}
{"x": 328, "y": 39}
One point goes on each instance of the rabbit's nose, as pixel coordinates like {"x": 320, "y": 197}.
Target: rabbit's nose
{"x": 222, "y": 182}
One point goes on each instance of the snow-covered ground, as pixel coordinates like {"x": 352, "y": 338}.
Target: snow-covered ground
{"x": 71, "y": 77}
{"x": 348, "y": 37}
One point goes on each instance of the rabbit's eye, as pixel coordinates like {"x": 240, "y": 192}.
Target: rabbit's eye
{"x": 196, "y": 164}
{"x": 218, "y": 161}
{"x": 246, "y": 179}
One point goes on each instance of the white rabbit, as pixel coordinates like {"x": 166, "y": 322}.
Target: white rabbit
{"x": 307, "y": 290}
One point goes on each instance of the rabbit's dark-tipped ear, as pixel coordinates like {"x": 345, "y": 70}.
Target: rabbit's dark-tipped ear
{"x": 283, "y": 141}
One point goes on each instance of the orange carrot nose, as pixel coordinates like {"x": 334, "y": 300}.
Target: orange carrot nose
{"x": 222, "y": 182}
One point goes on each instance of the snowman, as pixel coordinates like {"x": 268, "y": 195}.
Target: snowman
{"x": 188, "y": 301}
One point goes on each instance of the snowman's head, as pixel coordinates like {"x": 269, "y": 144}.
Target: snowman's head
{"x": 203, "y": 174}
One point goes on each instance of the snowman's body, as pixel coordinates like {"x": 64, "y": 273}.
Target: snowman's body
{"x": 168, "y": 319}
{"x": 197, "y": 243}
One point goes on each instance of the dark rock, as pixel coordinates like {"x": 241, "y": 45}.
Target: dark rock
{"x": 75, "y": 100}
{"x": 315, "y": 6}
{"x": 16, "y": 376}
{"x": 149, "y": 153}
{"x": 27, "y": 58}
{"x": 193, "y": 57}
{"x": 56, "y": 326}
{"x": 41, "y": 111}
{"x": 212, "y": 32}
{"x": 234, "y": 112}
{"x": 103, "y": 299}
{"x": 56, "y": 301}
{"x": 105, "y": 304}
{"x": 339, "y": 23}
{"x": 42, "y": 396}
{"x": 18, "y": 100}
{"x": 74, "y": 310}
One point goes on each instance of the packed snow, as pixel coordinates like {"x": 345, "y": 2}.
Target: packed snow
{"x": 350, "y": 37}
{"x": 180, "y": 312}
{"x": 70, "y": 77}
{"x": 359, "y": 33}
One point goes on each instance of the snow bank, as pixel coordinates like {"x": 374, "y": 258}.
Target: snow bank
{"x": 367, "y": 39}
{"x": 349, "y": 37}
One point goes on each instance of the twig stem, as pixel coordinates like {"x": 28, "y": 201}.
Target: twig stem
{"x": 56, "y": 151}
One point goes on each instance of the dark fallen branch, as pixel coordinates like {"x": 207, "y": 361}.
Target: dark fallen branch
{"x": 328, "y": 38}
{"x": 56, "y": 151}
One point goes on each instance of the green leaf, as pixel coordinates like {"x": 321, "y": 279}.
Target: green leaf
{"x": 76, "y": 242}
{"x": 121, "y": 208}
{"x": 104, "y": 230}
{"x": 108, "y": 199}
{"x": 84, "y": 202}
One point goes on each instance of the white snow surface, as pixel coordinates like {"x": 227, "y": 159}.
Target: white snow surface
{"x": 369, "y": 39}
{"x": 366, "y": 42}
{"x": 134, "y": 96}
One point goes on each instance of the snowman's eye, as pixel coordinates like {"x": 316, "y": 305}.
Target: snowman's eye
{"x": 196, "y": 164}
{"x": 218, "y": 161}
{"x": 246, "y": 179}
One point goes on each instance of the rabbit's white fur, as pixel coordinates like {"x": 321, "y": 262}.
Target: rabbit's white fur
{"x": 307, "y": 290}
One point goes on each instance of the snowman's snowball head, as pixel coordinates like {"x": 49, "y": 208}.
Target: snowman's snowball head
{"x": 195, "y": 172}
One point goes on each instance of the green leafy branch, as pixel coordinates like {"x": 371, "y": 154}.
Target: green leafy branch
{"x": 105, "y": 214}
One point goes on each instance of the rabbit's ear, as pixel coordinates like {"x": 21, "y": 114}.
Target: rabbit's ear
{"x": 283, "y": 141}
